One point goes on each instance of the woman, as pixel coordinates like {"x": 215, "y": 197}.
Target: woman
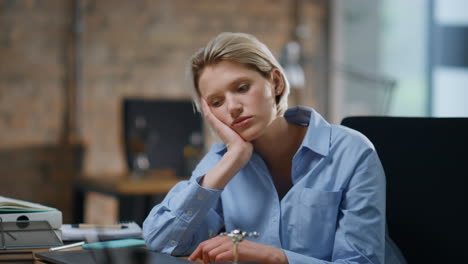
{"x": 315, "y": 192}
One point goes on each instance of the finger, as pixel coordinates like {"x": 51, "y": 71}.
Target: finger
{"x": 212, "y": 119}
{"x": 196, "y": 254}
{"x": 209, "y": 116}
{"x": 225, "y": 246}
{"x": 199, "y": 251}
{"x": 206, "y": 258}
{"x": 205, "y": 106}
{"x": 207, "y": 111}
{"x": 224, "y": 256}
{"x": 206, "y": 247}
{"x": 225, "y": 132}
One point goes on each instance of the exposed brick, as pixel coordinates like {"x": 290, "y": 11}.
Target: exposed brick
{"x": 130, "y": 48}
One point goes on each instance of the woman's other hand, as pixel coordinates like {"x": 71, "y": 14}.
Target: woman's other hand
{"x": 219, "y": 249}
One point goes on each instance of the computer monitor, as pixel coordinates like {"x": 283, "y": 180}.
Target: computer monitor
{"x": 159, "y": 130}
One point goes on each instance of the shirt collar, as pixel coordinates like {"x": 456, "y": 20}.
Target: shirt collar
{"x": 318, "y": 133}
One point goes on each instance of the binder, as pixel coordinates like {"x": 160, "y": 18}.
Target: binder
{"x": 19, "y": 241}
{"x": 13, "y": 210}
{"x": 27, "y": 235}
{"x": 53, "y": 217}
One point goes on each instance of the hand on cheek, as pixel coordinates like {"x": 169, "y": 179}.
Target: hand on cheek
{"x": 230, "y": 137}
{"x": 226, "y": 133}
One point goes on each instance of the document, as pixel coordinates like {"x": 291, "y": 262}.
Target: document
{"x": 100, "y": 233}
{"x": 9, "y": 205}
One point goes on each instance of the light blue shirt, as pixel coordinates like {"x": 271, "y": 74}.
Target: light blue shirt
{"x": 334, "y": 212}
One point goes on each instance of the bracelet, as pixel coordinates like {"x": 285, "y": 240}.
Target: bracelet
{"x": 236, "y": 237}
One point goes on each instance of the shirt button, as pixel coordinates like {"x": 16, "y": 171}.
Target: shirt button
{"x": 173, "y": 243}
{"x": 189, "y": 213}
{"x": 200, "y": 197}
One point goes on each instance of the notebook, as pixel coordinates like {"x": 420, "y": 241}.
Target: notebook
{"x": 114, "y": 256}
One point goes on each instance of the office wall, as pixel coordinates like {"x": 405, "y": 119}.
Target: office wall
{"x": 33, "y": 165}
{"x": 450, "y": 64}
{"x": 128, "y": 48}
{"x": 32, "y": 71}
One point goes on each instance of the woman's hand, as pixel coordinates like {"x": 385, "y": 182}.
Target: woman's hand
{"x": 233, "y": 141}
{"x": 220, "y": 249}
{"x": 238, "y": 152}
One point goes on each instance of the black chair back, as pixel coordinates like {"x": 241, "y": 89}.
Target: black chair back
{"x": 426, "y": 166}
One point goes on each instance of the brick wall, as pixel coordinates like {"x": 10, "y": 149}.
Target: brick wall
{"x": 130, "y": 48}
{"x": 31, "y": 71}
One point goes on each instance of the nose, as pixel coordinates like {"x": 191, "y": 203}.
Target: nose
{"x": 234, "y": 107}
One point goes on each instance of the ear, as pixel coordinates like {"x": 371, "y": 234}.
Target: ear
{"x": 278, "y": 81}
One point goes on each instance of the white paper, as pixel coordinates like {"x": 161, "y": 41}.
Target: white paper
{"x": 70, "y": 233}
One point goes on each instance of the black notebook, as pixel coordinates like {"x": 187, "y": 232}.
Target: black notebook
{"x": 108, "y": 256}
{"x": 134, "y": 255}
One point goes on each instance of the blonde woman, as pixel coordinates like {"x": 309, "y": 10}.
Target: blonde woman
{"x": 315, "y": 192}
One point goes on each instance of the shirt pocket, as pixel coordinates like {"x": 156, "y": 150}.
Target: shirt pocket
{"x": 319, "y": 198}
{"x": 314, "y": 222}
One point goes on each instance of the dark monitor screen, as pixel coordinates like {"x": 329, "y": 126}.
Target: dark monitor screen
{"x": 160, "y": 130}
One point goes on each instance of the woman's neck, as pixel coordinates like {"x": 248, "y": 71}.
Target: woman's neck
{"x": 280, "y": 142}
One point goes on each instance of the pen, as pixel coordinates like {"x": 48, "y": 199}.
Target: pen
{"x": 68, "y": 246}
{"x": 116, "y": 226}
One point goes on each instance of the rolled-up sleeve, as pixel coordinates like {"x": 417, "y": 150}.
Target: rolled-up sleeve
{"x": 185, "y": 217}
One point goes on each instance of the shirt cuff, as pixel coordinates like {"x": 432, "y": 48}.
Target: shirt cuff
{"x": 198, "y": 201}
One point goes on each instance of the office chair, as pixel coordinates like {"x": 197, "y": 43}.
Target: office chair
{"x": 426, "y": 166}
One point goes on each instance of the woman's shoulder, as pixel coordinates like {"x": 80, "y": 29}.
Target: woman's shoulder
{"x": 350, "y": 137}
{"x": 321, "y": 129}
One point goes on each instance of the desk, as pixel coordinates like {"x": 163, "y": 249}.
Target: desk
{"x": 20, "y": 256}
{"x": 133, "y": 198}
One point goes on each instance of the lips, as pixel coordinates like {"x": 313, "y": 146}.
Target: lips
{"x": 241, "y": 121}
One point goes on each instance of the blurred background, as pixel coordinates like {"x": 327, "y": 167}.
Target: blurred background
{"x": 71, "y": 71}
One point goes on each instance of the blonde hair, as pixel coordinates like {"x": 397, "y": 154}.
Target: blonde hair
{"x": 242, "y": 48}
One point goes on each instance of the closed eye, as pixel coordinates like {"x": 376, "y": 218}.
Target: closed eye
{"x": 216, "y": 103}
{"x": 243, "y": 88}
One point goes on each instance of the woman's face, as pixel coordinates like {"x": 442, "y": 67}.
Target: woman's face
{"x": 240, "y": 97}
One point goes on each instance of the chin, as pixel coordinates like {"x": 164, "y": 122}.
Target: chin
{"x": 251, "y": 134}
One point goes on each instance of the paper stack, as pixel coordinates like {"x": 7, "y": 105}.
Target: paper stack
{"x": 129, "y": 230}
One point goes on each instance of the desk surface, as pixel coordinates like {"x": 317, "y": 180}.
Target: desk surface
{"x": 153, "y": 184}
{"x": 105, "y": 198}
